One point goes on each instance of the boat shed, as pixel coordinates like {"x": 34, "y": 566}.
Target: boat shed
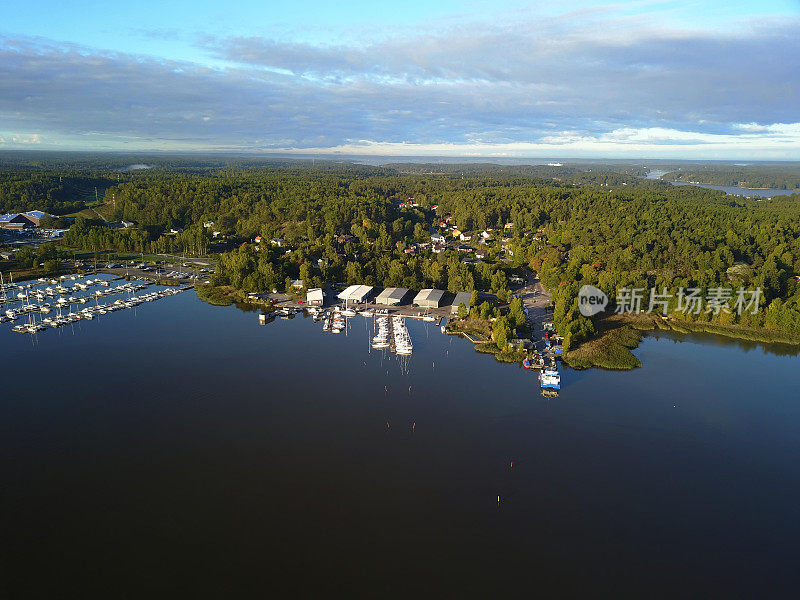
{"x": 429, "y": 298}
{"x": 461, "y": 298}
{"x": 392, "y": 296}
{"x": 356, "y": 293}
{"x": 315, "y": 297}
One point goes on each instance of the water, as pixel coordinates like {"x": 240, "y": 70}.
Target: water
{"x": 184, "y": 447}
{"x": 738, "y": 191}
{"x": 728, "y": 189}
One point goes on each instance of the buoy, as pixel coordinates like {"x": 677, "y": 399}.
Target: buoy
{"x": 413, "y": 426}
{"x": 512, "y": 464}
{"x": 498, "y": 500}
{"x": 387, "y": 424}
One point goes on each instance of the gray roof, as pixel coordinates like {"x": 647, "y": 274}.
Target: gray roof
{"x": 462, "y": 298}
{"x": 392, "y": 294}
{"x": 429, "y": 295}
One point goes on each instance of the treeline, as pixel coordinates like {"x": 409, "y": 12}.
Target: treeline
{"x": 783, "y": 177}
{"x": 345, "y": 223}
{"x": 347, "y": 226}
{"x": 254, "y": 269}
{"x": 24, "y": 190}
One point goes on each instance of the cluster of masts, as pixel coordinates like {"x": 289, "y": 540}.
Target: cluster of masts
{"x": 64, "y": 304}
{"x": 402, "y": 339}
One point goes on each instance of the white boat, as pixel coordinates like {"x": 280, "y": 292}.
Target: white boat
{"x": 549, "y": 378}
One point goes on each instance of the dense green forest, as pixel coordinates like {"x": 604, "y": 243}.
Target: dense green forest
{"x": 781, "y": 177}
{"x": 358, "y": 224}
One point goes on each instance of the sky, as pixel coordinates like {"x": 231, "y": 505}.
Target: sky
{"x": 644, "y": 79}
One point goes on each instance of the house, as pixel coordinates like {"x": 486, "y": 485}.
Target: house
{"x": 456, "y": 233}
{"x": 258, "y": 239}
{"x": 437, "y": 238}
{"x": 434, "y": 206}
{"x": 208, "y": 224}
{"x": 465, "y": 237}
{"x": 486, "y": 235}
{"x": 437, "y": 248}
{"x": 345, "y": 239}
{"x": 393, "y": 296}
{"x": 176, "y": 230}
{"x": 411, "y": 250}
{"x": 429, "y": 298}
{"x": 279, "y": 242}
{"x": 127, "y": 224}
{"x": 6, "y": 255}
{"x": 315, "y": 297}
{"x": 297, "y": 284}
{"x": 508, "y": 226}
{"x": 481, "y": 253}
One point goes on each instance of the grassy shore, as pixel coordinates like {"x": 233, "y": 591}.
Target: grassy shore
{"x": 611, "y": 349}
{"x": 225, "y": 295}
{"x": 619, "y": 334}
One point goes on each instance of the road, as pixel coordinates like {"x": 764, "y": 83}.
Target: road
{"x": 537, "y": 301}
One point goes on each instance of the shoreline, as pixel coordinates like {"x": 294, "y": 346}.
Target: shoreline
{"x": 620, "y": 334}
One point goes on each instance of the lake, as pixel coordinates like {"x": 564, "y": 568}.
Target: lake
{"x": 180, "y": 447}
{"x": 728, "y": 189}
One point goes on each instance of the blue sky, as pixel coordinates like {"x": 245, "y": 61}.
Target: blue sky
{"x": 478, "y": 78}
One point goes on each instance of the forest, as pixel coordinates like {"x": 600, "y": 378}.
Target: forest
{"x": 780, "y": 177}
{"x": 348, "y": 223}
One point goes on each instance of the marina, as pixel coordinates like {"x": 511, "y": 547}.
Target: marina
{"x": 34, "y": 306}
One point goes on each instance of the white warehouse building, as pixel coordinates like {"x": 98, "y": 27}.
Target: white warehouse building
{"x": 357, "y": 294}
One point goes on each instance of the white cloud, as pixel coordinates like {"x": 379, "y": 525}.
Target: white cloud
{"x": 559, "y": 85}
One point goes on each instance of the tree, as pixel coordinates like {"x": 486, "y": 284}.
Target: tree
{"x": 462, "y": 313}
{"x": 516, "y": 313}
{"x": 501, "y": 332}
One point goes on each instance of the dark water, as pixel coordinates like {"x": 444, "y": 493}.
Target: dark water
{"x": 185, "y": 449}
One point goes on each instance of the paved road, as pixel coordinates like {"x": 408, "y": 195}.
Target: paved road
{"x": 537, "y": 300}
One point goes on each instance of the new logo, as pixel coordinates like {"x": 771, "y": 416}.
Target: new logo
{"x": 591, "y": 300}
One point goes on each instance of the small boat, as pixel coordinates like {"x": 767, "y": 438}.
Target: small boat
{"x": 527, "y": 363}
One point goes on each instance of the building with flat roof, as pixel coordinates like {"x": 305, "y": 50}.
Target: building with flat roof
{"x": 429, "y": 298}
{"x": 357, "y": 294}
{"x": 392, "y": 296}
{"x": 315, "y": 297}
{"x": 461, "y": 298}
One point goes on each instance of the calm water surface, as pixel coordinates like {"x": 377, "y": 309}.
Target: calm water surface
{"x": 184, "y": 448}
{"x": 728, "y": 189}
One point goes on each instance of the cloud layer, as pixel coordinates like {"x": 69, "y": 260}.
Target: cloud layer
{"x": 571, "y": 84}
